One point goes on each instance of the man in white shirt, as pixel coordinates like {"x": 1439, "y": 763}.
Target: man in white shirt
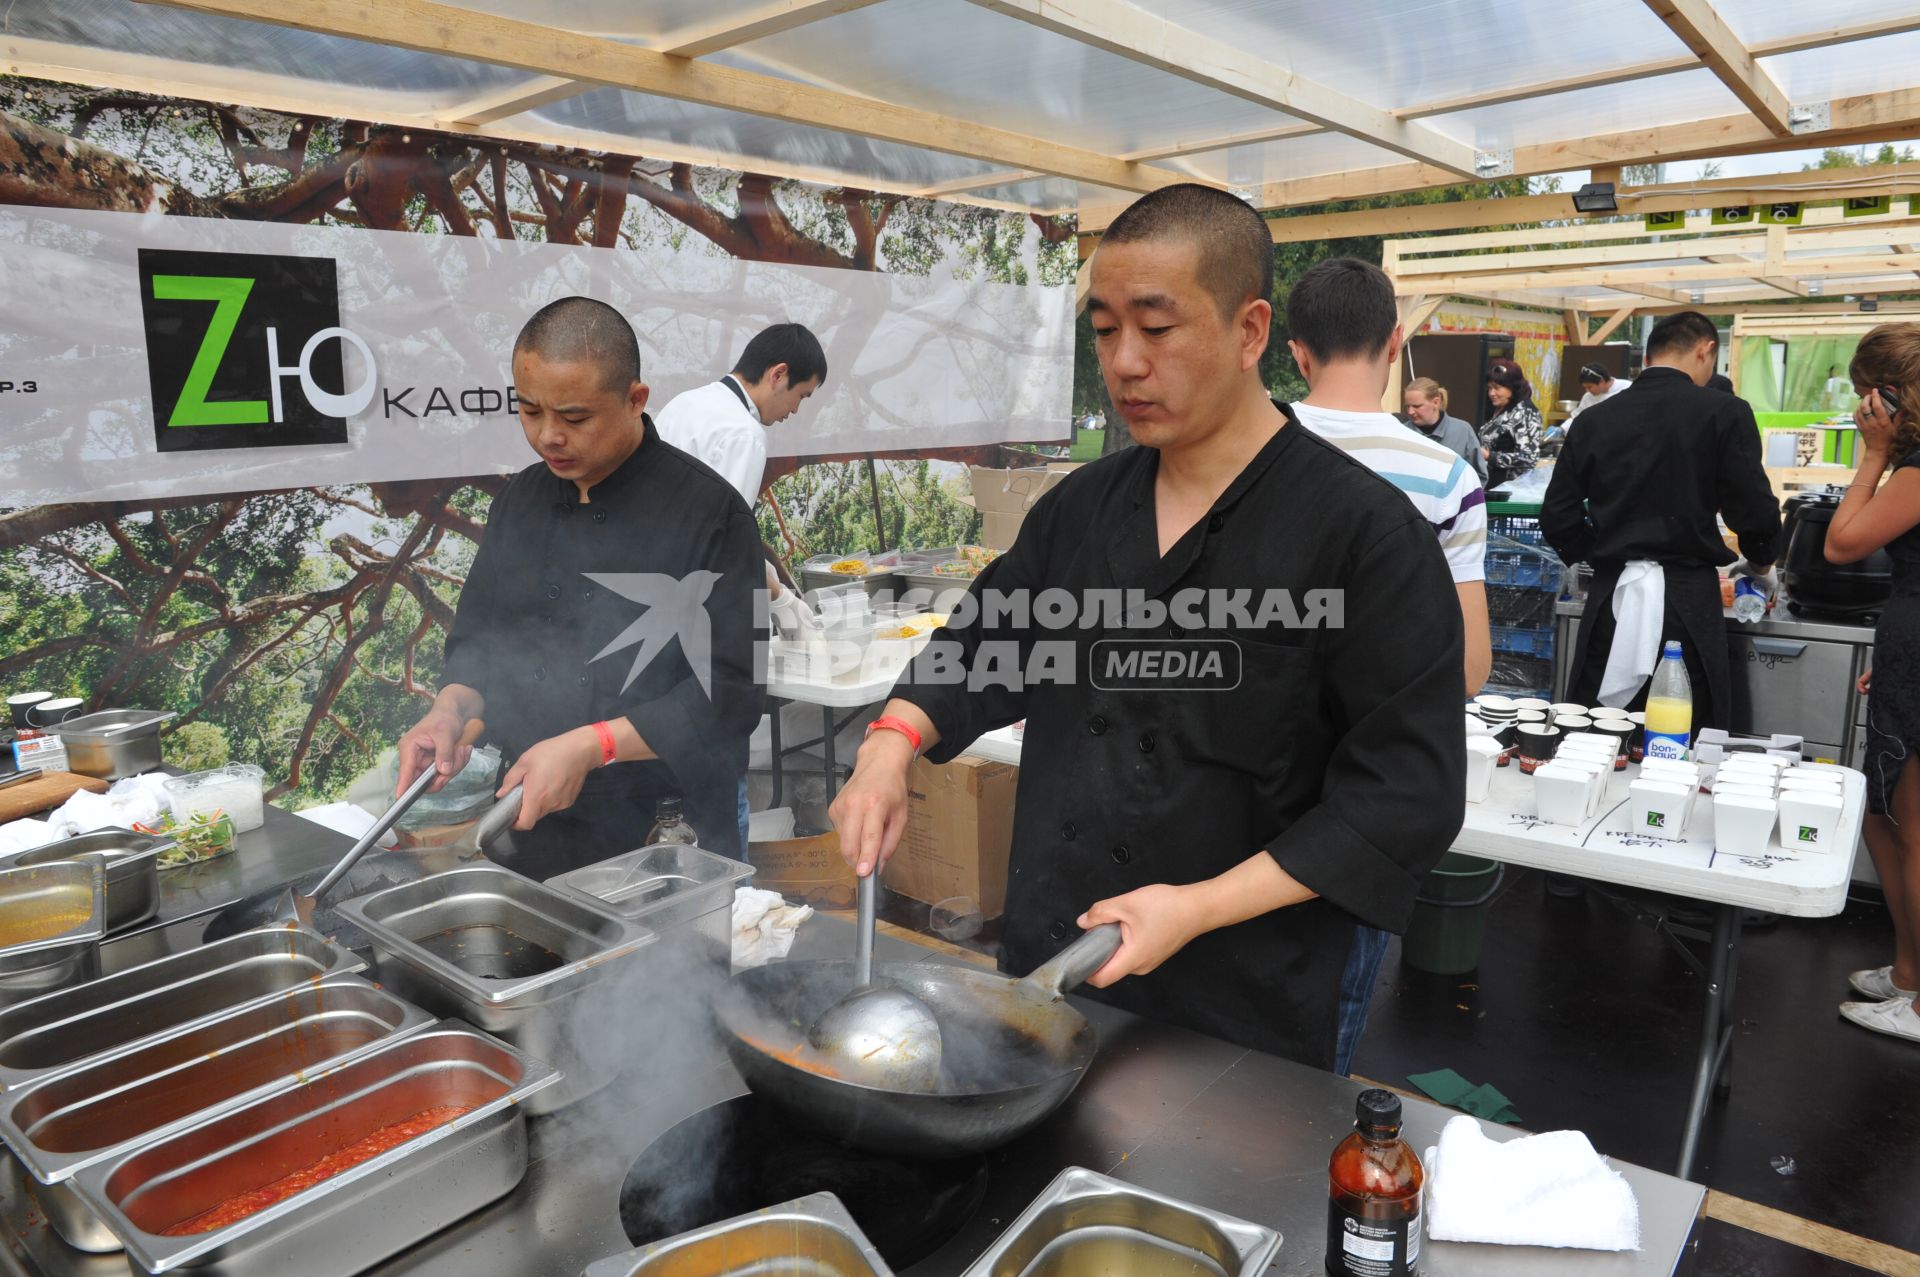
{"x": 1345, "y": 337}
{"x": 1598, "y": 384}
{"x": 724, "y": 424}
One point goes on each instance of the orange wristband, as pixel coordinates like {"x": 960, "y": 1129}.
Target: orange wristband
{"x": 893, "y": 724}
{"x": 607, "y": 748}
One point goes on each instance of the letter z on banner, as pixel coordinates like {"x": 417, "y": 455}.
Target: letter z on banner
{"x": 217, "y": 324}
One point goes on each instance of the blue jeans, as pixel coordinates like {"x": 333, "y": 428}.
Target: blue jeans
{"x": 1356, "y": 993}
{"x": 743, "y": 816}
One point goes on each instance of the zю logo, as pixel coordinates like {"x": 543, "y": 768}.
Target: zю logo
{"x": 227, "y": 331}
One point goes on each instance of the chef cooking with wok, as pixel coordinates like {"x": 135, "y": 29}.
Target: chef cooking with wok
{"x": 1238, "y": 655}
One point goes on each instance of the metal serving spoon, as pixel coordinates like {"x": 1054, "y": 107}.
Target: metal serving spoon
{"x": 879, "y": 1034}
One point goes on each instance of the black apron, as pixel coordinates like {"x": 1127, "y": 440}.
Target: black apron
{"x": 1694, "y": 616}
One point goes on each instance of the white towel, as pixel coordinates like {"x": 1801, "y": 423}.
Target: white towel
{"x": 1639, "y": 606}
{"x": 136, "y": 800}
{"x": 763, "y": 926}
{"x": 1539, "y": 1190}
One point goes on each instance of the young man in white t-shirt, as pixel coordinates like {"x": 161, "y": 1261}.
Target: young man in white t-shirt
{"x": 1345, "y": 335}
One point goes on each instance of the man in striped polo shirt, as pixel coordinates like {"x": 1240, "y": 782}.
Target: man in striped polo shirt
{"x": 1345, "y": 335}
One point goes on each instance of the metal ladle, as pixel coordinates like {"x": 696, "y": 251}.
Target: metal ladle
{"x": 879, "y": 1034}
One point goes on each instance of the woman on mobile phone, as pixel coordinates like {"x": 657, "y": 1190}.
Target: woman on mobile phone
{"x": 1886, "y": 376}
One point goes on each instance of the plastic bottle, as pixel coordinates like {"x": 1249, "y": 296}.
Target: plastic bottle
{"x": 670, "y": 826}
{"x": 1670, "y": 707}
{"x": 1373, "y": 1195}
{"x": 1749, "y": 601}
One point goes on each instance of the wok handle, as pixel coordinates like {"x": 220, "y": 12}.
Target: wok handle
{"x": 867, "y": 902}
{"x": 499, "y": 817}
{"x": 1069, "y": 968}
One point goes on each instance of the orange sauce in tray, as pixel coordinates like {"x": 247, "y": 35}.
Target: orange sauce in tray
{"x": 235, "y": 1209}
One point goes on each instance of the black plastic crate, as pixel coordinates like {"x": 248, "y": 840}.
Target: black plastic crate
{"x": 1520, "y": 608}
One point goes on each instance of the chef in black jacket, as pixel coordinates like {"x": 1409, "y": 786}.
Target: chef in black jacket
{"x": 1236, "y": 827}
{"x": 1641, "y": 481}
{"x": 605, "y": 631}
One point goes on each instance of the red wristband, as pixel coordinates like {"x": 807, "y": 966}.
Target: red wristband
{"x": 892, "y": 724}
{"x": 607, "y": 748}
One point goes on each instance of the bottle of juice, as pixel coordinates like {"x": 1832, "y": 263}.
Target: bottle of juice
{"x": 1373, "y": 1201}
{"x": 1670, "y": 707}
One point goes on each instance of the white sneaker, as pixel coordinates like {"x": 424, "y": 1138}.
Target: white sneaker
{"x": 1877, "y": 985}
{"x": 1894, "y": 1017}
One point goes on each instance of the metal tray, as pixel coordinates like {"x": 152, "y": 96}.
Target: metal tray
{"x": 70, "y": 894}
{"x": 811, "y": 1236}
{"x": 72, "y": 1219}
{"x": 581, "y": 949}
{"x": 113, "y": 743}
{"x": 358, "y": 1217}
{"x": 132, "y": 870}
{"x": 56, "y": 1032}
{"x": 137, "y": 1095}
{"x": 1085, "y": 1222}
{"x": 684, "y": 894}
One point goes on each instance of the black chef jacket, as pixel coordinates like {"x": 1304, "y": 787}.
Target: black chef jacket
{"x": 1340, "y": 750}
{"x": 1642, "y": 478}
{"x": 531, "y": 623}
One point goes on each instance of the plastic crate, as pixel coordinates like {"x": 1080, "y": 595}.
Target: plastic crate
{"x": 1523, "y": 642}
{"x": 1521, "y": 608}
{"x": 1515, "y": 527}
{"x": 1520, "y": 676}
{"x": 1519, "y": 564}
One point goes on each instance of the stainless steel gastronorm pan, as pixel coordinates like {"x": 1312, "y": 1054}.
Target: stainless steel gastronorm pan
{"x": 811, "y": 1236}
{"x": 542, "y": 968}
{"x": 140, "y": 1093}
{"x": 132, "y": 869}
{"x": 51, "y": 921}
{"x": 355, "y": 1218}
{"x": 55, "y": 1032}
{"x": 1088, "y": 1223}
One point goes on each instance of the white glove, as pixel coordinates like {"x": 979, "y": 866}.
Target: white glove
{"x": 793, "y": 618}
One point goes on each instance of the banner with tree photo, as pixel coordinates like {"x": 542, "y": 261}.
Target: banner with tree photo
{"x": 288, "y": 596}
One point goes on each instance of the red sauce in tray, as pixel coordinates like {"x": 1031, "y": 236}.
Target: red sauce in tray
{"x": 235, "y": 1209}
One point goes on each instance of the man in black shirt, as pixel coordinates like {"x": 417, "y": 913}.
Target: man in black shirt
{"x": 1638, "y": 487}
{"x": 606, "y": 629}
{"x": 1235, "y": 827}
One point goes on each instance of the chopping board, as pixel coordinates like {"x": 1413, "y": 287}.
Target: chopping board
{"x": 43, "y": 793}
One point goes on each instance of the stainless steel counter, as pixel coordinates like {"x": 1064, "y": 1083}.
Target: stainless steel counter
{"x": 1780, "y": 624}
{"x": 1164, "y": 1108}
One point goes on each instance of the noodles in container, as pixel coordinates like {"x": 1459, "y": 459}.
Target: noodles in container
{"x": 235, "y": 791}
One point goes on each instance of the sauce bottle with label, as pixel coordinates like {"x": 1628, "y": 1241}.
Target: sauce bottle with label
{"x": 1373, "y": 1195}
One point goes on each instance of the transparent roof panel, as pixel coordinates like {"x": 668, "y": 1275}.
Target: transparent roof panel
{"x": 1614, "y": 108}
{"x": 1759, "y": 21}
{"x": 954, "y": 57}
{"x": 1299, "y": 157}
{"x": 636, "y": 116}
{"x": 1842, "y": 70}
{"x": 221, "y": 44}
{"x": 1406, "y": 53}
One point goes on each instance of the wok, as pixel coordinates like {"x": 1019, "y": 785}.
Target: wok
{"x": 1012, "y": 1050}
{"x": 375, "y": 871}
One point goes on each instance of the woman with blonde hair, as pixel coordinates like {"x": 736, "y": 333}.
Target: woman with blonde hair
{"x": 1426, "y": 403}
{"x": 1886, "y": 377}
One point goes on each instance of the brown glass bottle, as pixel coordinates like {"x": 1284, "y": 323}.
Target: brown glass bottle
{"x": 1373, "y": 1202}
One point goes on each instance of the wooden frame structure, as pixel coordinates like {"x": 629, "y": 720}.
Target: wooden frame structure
{"x": 730, "y": 60}
{"x": 1599, "y": 276}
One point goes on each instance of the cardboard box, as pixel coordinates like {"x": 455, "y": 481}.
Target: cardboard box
{"x": 808, "y": 868}
{"x": 959, "y": 833}
{"x": 1003, "y": 498}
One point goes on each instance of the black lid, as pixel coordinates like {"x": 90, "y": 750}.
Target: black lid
{"x": 666, "y": 807}
{"x": 1377, "y": 1108}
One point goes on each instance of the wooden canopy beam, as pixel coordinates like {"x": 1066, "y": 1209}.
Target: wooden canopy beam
{"x": 768, "y": 20}
{"x": 1130, "y": 32}
{"x": 1712, "y": 247}
{"x": 431, "y": 27}
{"x": 1612, "y": 325}
{"x": 1704, "y": 32}
{"x": 1622, "y": 277}
{"x": 540, "y": 91}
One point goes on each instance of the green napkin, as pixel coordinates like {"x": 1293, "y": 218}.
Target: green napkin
{"x": 1444, "y": 1086}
